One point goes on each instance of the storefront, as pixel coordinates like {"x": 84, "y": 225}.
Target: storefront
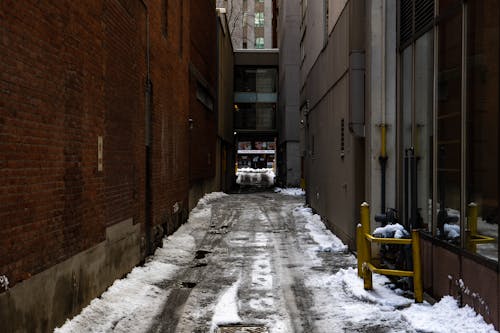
{"x": 256, "y": 154}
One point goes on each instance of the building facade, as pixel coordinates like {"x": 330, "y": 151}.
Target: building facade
{"x": 255, "y": 105}
{"x": 250, "y": 23}
{"x": 101, "y": 104}
{"x": 399, "y": 105}
{"x": 225, "y": 130}
{"x": 289, "y": 171}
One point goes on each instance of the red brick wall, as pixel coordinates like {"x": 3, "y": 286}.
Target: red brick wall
{"x": 125, "y": 50}
{"x": 203, "y": 62}
{"x": 73, "y": 71}
{"x": 51, "y": 112}
{"x": 169, "y": 67}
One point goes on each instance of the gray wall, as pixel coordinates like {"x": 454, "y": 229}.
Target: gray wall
{"x": 289, "y": 97}
{"x": 334, "y": 178}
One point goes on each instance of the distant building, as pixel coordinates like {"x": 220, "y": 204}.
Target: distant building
{"x": 250, "y": 23}
{"x": 255, "y": 103}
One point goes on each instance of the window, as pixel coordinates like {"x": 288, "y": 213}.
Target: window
{"x": 259, "y": 19}
{"x": 482, "y": 125}
{"x": 449, "y": 120}
{"x": 259, "y": 42}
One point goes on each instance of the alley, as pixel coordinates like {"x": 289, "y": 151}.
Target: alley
{"x": 260, "y": 259}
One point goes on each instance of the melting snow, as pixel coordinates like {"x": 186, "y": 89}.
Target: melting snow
{"x": 294, "y": 191}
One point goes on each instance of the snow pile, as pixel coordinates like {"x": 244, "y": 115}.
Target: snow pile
{"x": 249, "y": 176}
{"x": 326, "y": 240}
{"x": 381, "y": 293}
{"x": 226, "y": 310}
{"x": 293, "y": 191}
{"x": 132, "y": 303}
{"x": 451, "y": 231}
{"x": 391, "y": 231}
{"x": 208, "y": 198}
{"x": 446, "y": 316}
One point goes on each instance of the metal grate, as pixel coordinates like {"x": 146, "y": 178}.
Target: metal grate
{"x": 424, "y": 14}
{"x": 242, "y": 329}
{"x": 415, "y": 16}
{"x": 405, "y": 21}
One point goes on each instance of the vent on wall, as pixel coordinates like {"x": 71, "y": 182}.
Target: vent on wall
{"x": 415, "y": 17}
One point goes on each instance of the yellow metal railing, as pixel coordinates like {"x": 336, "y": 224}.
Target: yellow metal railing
{"x": 365, "y": 266}
{"x": 472, "y": 237}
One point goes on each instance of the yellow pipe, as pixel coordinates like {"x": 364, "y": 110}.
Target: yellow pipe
{"x": 472, "y": 224}
{"x": 402, "y": 241}
{"x": 417, "y": 268}
{"x": 383, "y": 139}
{"x": 366, "y": 245}
{"x": 384, "y": 271}
{"x": 472, "y": 220}
{"x": 480, "y": 239}
{"x": 359, "y": 249}
{"x": 365, "y": 217}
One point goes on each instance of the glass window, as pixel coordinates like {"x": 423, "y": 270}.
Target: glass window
{"x": 483, "y": 181}
{"x": 449, "y": 129}
{"x": 417, "y": 132}
{"x": 259, "y": 19}
{"x": 251, "y": 79}
{"x": 255, "y": 116}
{"x": 259, "y": 42}
{"x": 423, "y": 129}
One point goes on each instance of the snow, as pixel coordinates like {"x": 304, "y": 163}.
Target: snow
{"x": 293, "y": 191}
{"x": 391, "y": 231}
{"x": 445, "y": 316}
{"x": 451, "y": 231}
{"x": 274, "y": 279}
{"x": 210, "y": 197}
{"x": 132, "y": 303}
{"x": 249, "y": 176}
{"x": 326, "y": 240}
{"x": 226, "y": 310}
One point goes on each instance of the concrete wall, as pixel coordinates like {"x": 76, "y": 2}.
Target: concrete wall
{"x": 47, "y": 299}
{"x": 314, "y": 38}
{"x": 289, "y": 98}
{"x": 333, "y": 183}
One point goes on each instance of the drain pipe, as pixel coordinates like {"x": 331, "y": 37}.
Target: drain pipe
{"x": 383, "y": 126}
{"x": 148, "y": 139}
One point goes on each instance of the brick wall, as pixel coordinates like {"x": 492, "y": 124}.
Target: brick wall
{"x": 169, "y": 67}
{"x": 203, "y": 67}
{"x": 75, "y": 71}
{"x": 51, "y": 112}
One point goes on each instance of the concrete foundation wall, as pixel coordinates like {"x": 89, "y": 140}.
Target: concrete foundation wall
{"x": 47, "y": 299}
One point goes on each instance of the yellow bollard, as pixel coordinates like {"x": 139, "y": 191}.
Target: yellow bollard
{"x": 417, "y": 267}
{"x": 366, "y": 245}
{"x": 359, "y": 249}
{"x": 472, "y": 223}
